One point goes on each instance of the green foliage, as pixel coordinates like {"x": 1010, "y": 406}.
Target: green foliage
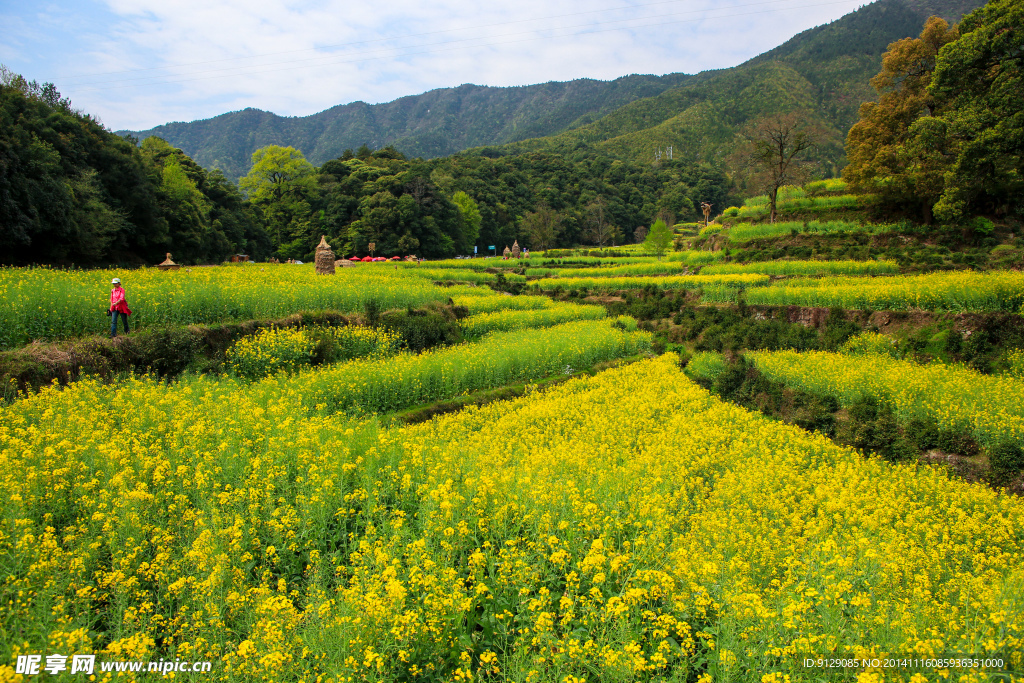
{"x": 69, "y": 189}
{"x": 871, "y": 342}
{"x": 659, "y": 239}
{"x": 948, "y": 133}
{"x": 282, "y": 185}
{"x": 706, "y": 365}
{"x": 470, "y": 216}
{"x": 73, "y": 192}
{"x": 542, "y": 227}
{"x": 895, "y": 150}
{"x": 625, "y": 323}
{"x": 390, "y": 202}
{"x": 424, "y": 328}
{"x": 980, "y": 80}
{"x": 1006, "y": 458}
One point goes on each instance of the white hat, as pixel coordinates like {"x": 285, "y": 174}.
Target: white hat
{"x": 116, "y": 281}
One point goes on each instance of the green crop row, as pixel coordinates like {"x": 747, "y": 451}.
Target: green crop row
{"x": 498, "y": 359}
{"x": 665, "y": 282}
{"x": 809, "y": 268}
{"x": 48, "y": 304}
{"x": 508, "y": 320}
{"x": 941, "y": 291}
{"x": 744, "y": 232}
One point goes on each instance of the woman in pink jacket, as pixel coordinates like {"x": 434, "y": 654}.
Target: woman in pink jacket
{"x": 118, "y": 306}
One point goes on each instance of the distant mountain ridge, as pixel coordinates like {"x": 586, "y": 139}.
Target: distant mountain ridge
{"x": 436, "y": 123}
{"x": 823, "y": 72}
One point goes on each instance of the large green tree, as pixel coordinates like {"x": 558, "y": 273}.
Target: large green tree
{"x": 659, "y": 239}
{"x": 898, "y": 149}
{"x": 542, "y": 227}
{"x": 471, "y": 218}
{"x": 979, "y": 78}
{"x": 70, "y": 190}
{"x": 283, "y": 186}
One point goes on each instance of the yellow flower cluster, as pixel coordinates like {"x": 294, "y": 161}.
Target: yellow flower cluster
{"x": 544, "y": 539}
{"x": 269, "y": 351}
{"x": 273, "y": 350}
{"x": 955, "y": 397}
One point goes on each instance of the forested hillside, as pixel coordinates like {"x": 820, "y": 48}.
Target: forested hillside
{"x": 73, "y": 192}
{"x": 434, "y": 124}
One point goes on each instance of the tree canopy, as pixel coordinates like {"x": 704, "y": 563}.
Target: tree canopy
{"x": 73, "y": 192}
{"x": 947, "y": 134}
{"x": 980, "y": 80}
{"x": 897, "y": 150}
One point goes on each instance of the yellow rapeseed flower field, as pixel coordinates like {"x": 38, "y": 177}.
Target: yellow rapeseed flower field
{"x": 991, "y": 408}
{"x": 622, "y": 527}
{"x": 940, "y": 291}
{"x": 48, "y": 304}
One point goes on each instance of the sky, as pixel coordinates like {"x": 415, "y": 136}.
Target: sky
{"x": 135, "y": 64}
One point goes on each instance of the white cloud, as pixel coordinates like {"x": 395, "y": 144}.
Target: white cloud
{"x": 191, "y": 59}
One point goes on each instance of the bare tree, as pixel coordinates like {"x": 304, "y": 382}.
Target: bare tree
{"x": 640, "y": 233}
{"x": 775, "y": 144}
{"x": 599, "y": 230}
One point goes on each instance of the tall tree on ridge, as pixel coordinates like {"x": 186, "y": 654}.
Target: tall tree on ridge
{"x": 980, "y": 77}
{"x": 774, "y": 147}
{"x": 898, "y": 148}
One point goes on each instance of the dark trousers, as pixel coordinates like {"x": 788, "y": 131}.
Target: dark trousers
{"x": 113, "y": 322}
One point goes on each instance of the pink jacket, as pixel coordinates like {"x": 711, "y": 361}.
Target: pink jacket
{"x": 117, "y": 302}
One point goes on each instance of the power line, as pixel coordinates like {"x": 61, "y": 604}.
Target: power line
{"x": 331, "y": 60}
{"x": 403, "y": 37}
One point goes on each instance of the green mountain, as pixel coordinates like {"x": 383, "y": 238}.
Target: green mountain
{"x": 823, "y": 71}
{"x": 434, "y": 124}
